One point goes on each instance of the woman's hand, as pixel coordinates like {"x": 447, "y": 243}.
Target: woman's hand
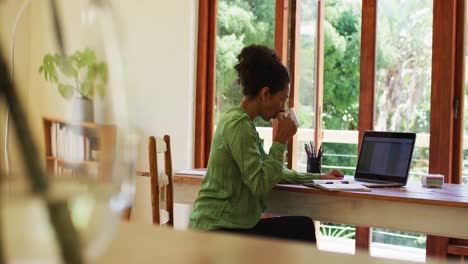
{"x": 332, "y": 175}
{"x": 285, "y": 130}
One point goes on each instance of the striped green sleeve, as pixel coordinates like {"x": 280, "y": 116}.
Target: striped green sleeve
{"x": 294, "y": 177}
{"x": 260, "y": 175}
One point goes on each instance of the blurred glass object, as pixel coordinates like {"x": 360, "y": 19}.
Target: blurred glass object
{"x": 77, "y": 110}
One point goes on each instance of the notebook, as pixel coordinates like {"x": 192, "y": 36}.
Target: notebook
{"x": 337, "y": 185}
{"x": 384, "y": 159}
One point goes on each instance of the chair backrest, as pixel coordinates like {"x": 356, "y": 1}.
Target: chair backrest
{"x": 154, "y": 186}
{"x": 161, "y": 146}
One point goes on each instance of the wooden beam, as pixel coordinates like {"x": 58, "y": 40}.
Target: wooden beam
{"x": 367, "y": 90}
{"x": 211, "y": 83}
{"x": 281, "y": 30}
{"x": 367, "y": 66}
{"x": 459, "y": 246}
{"x": 363, "y": 235}
{"x": 457, "y": 250}
{"x": 442, "y": 91}
{"x": 295, "y": 76}
{"x": 206, "y": 68}
{"x": 436, "y": 247}
{"x": 319, "y": 55}
{"x": 281, "y": 37}
{"x": 442, "y": 94}
{"x": 459, "y": 92}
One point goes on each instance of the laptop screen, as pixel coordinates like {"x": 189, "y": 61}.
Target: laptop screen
{"x": 385, "y": 156}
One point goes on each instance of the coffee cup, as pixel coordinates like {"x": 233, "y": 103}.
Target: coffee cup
{"x": 290, "y": 112}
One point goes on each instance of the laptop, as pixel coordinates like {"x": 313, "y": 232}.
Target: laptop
{"x": 384, "y": 159}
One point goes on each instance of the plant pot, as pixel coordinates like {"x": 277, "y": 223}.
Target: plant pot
{"x": 82, "y": 110}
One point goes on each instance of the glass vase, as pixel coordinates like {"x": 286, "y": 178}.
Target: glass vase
{"x": 72, "y": 88}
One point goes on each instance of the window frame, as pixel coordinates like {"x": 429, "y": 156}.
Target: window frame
{"x": 205, "y": 81}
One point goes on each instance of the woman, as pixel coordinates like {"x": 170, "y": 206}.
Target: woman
{"x": 239, "y": 172}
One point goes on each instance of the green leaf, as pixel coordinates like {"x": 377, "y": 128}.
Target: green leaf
{"x": 48, "y": 67}
{"x": 87, "y": 89}
{"x": 66, "y": 66}
{"x": 75, "y": 59}
{"x": 102, "y": 71}
{"x": 82, "y": 66}
{"x": 101, "y": 90}
{"x": 53, "y": 76}
{"x": 88, "y": 57}
{"x": 92, "y": 72}
{"x": 66, "y": 91}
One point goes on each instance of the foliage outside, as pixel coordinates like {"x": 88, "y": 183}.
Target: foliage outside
{"x": 78, "y": 75}
{"x": 240, "y": 23}
{"x": 378, "y": 235}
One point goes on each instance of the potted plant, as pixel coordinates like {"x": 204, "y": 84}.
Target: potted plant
{"x": 78, "y": 77}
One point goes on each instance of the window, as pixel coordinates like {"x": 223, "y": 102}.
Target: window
{"x": 307, "y": 79}
{"x": 239, "y": 24}
{"x": 340, "y": 99}
{"x": 403, "y": 88}
{"x": 403, "y": 75}
{"x": 342, "y": 45}
{"x": 356, "y": 69}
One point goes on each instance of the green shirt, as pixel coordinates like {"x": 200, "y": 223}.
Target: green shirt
{"x": 239, "y": 175}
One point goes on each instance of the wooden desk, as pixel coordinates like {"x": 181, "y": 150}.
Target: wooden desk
{"x": 439, "y": 212}
{"x": 136, "y": 243}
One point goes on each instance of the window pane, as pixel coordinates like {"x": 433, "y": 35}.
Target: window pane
{"x": 341, "y": 73}
{"x": 342, "y": 45}
{"x": 342, "y": 37}
{"x": 403, "y": 74}
{"x": 239, "y": 23}
{"x": 403, "y": 93}
{"x": 307, "y": 70}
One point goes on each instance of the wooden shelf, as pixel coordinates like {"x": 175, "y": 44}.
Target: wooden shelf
{"x": 73, "y": 162}
{"x": 75, "y": 123}
{"x": 64, "y": 139}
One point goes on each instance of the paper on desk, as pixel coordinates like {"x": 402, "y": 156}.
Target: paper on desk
{"x": 338, "y": 185}
{"x": 198, "y": 172}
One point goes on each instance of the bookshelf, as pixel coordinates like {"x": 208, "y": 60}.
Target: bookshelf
{"x": 75, "y": 148}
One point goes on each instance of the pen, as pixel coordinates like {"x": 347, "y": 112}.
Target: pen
{"x": 342, "y": 182}
{"x": 306, "y": 151}
{"x": 312, "y": 149}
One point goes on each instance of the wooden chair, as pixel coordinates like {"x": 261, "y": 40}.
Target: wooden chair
{"x": 161, "y": 185}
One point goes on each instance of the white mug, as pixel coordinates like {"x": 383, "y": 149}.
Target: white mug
{"x": 293, "y": 115}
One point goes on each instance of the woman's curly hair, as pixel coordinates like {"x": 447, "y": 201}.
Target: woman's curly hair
{"x": 259, "y": 66}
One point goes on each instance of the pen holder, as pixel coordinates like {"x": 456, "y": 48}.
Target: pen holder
{"x": 314, "y": 165}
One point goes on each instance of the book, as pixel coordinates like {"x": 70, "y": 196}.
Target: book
{"x": 338, "y": 185}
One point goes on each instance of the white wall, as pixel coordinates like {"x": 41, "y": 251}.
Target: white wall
{"x": 160, "y": 41}
{"x": 159, "y": 46}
